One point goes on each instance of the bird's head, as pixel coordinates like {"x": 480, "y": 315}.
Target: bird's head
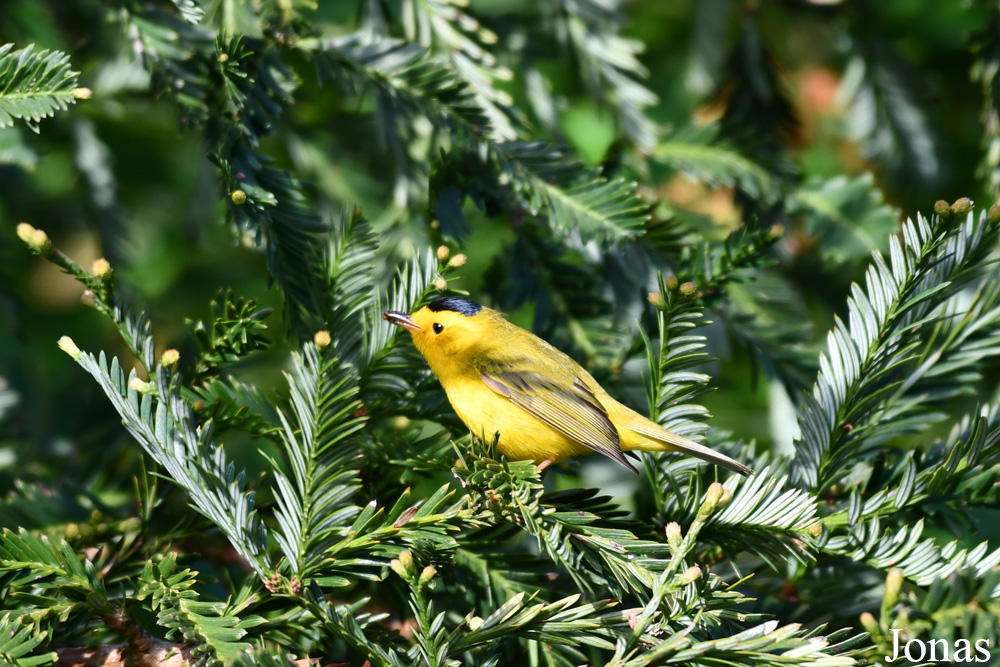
{"x": 446, "y": 331}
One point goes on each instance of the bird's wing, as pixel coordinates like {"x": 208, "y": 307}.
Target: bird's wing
{"x": 569, "y": 407}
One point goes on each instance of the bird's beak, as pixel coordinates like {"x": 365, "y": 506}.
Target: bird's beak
{"x": 401, "y": 320}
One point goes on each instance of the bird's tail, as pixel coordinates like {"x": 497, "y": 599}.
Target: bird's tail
{"x": 663, "y": 439}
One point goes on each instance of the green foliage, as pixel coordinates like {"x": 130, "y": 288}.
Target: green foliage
{"x": 863, "y": 395}
{"x": 700, "y": 153}
{"x": 307, "y": 464}
{"x": 34, "y": 85}
{"x": 987, "y": 50}
{"x": 18, "y": 641}
{"x": 887, "y": 118}
{"x": 236, "y": 330}
{"x": 46, "y": 565}
{"x": 212, "y": 628}
{"x": 847, "y": 217}
{"x": 316, "y": 507}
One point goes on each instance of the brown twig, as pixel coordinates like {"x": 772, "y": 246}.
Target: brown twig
{"x": 156, "y": 653}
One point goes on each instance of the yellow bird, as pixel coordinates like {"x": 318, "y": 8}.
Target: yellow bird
{"x": 546, "y": 407}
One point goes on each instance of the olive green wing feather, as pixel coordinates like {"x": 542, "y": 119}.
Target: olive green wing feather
{"x": 570, "y": 407}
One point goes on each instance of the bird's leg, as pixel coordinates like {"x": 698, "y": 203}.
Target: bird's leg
{"x": 545, "y": 464}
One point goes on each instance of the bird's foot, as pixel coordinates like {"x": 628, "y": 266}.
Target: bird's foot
{"x": 545, "y": 464}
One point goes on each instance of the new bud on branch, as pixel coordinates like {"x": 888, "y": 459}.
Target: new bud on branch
{"x": 101, "y": 268}
{"x": 691, "y": 575}
{"x": 36, "y": 239}
{"x": 141, "y": 386}
{"x": 961, "y": 206}
{"x": 674, "y": 538}
{"x": 67, "y": 345}
{"x": 322, "y": 338}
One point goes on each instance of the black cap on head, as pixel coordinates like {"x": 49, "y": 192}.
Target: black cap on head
{"x": 453, "y": 303}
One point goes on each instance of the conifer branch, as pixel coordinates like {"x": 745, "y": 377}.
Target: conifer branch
{"x": 315, "y": 504}
{"x": 848, "y": 217}
{"x": 674, "y": 387}
{"x": 211, "y": 631}
{"x": 35, "y": 84}
{"x": 609, "y": 63}
{"x": 235, "y": 96}
{"x": 162, "y": 422}
{"x": 384, "y": 363}
{"x": 579, "y": 531}
{"x": 18, "y": 641}
{"x": 702, "y": 154}
{"x": 986, "y": 47}
{"x": 99, "y": 293}
{"x": 886, "y": 117}
{"x": 533, "y": 173}
{"x": 921, "y": 561}
{"x": 844, "y": 410}
{"x": 446, "y": 26}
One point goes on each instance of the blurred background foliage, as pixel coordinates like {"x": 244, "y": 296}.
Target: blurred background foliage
{"x": 774, "y": 143}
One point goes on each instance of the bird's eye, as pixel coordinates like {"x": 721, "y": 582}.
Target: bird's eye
{"x": 438, "y": 327}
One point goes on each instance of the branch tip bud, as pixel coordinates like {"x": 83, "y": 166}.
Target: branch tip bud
{"x": 961, "y": 206}
{"x": 406, "y": 560}
{"x": 239, "y": 197}
{"x": 83, "y": 93}
{"x": 170, "y": 357}
{"x": 674, "y": 534}
{"x": 442, "y": 253}
{"x": 869, "y": 623}
{"x": 457, "y": 261}
{"x": 322, "y": 338}
{"x": 427, "y": 574}
{"x": 893, "y": 584}
{"x": 36, "y": 239}
{"x": 671, "y": 283}
{"x": 994, "y": 213}
{"x": 656, "y": 299}
{"x": 441, "y": 284}
{"x": 24, "y": 232}
{"x": 101, "y": 268}
{"x": 67, "y": 345}
{"x": 140, "y": 386}
{"x": 712, "y": 498}
{"x": 398, "y": 568}
{"x": 474, "y": 623}
{"x": 687, "y": 289}
{"x": 691, "y": 575}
